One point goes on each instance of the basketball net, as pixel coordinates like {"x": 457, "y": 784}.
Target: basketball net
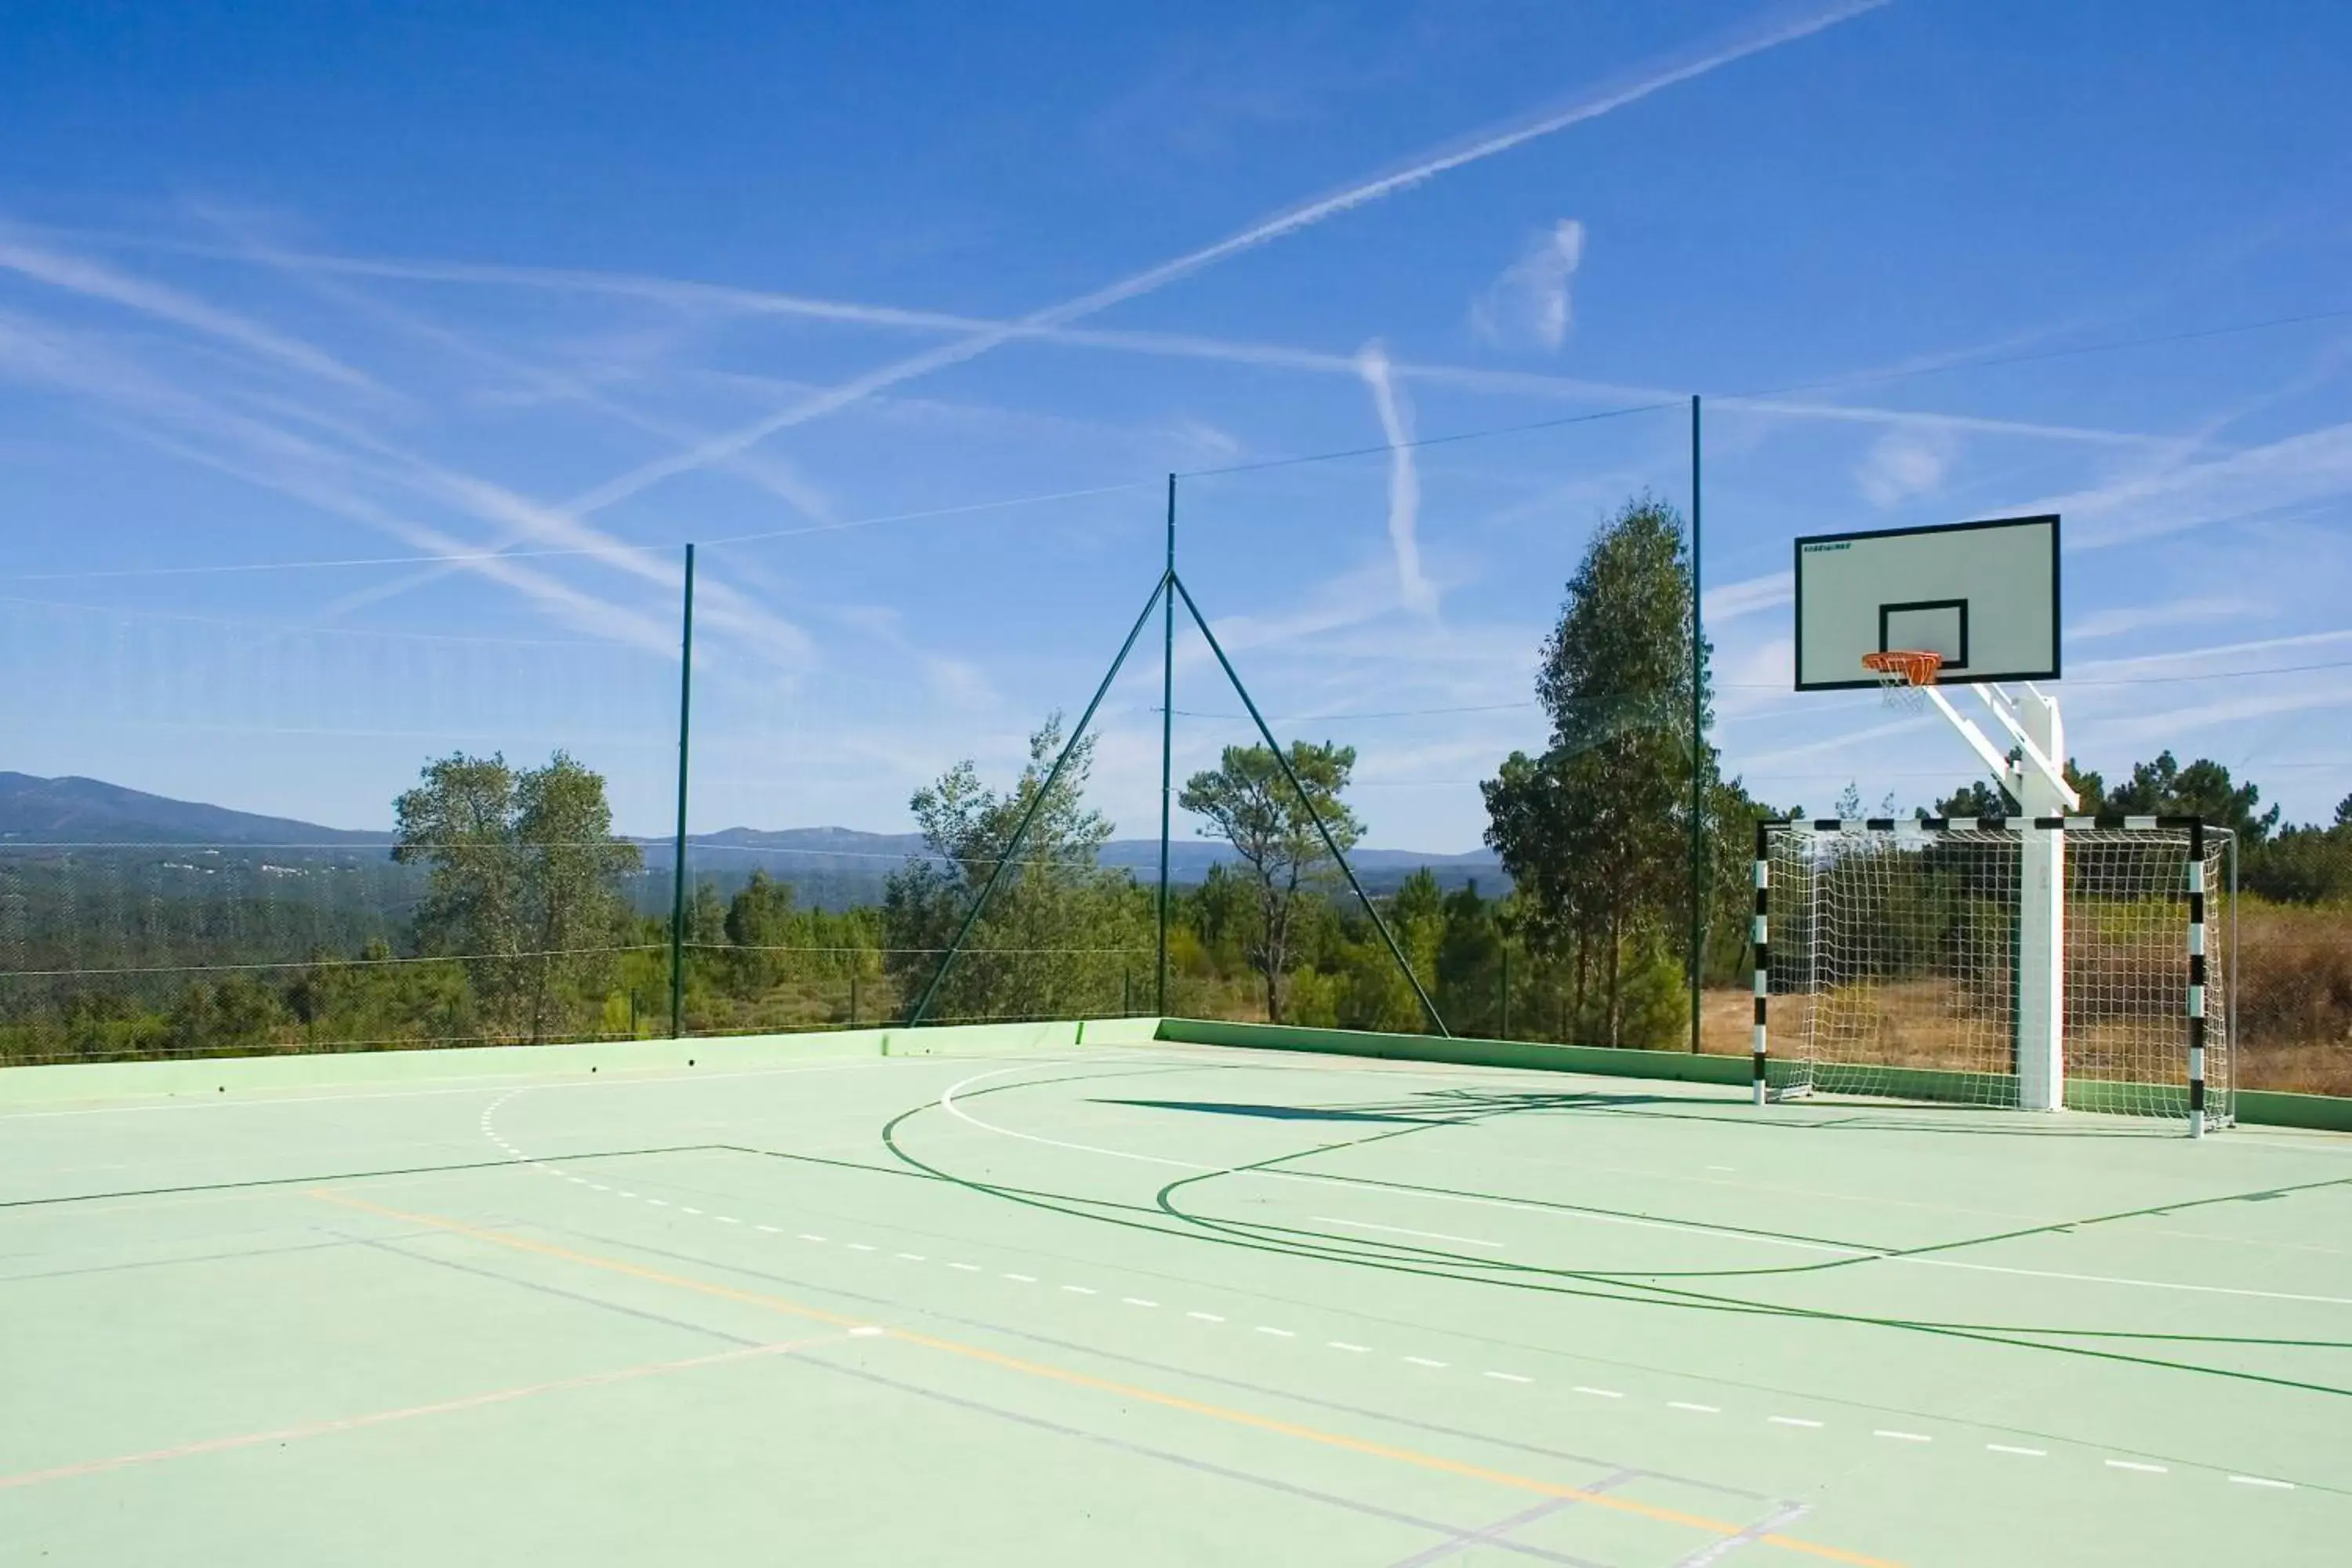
{"x": 1904, "y": 675}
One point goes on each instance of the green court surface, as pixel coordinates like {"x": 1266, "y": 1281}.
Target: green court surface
{"x": 1145, "y": 1303}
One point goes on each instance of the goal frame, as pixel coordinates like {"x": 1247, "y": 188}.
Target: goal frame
{"x": 2038, "y": 1020}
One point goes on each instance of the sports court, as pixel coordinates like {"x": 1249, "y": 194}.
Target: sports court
{"x": 1027, "y": 1300}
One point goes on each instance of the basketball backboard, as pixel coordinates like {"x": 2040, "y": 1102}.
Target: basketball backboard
{"x": 1982, "y": 595}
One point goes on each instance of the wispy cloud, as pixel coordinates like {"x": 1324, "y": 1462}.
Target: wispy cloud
{"x": 1404, "y": 485}
{"x": 2296, "y": 471}
{"x": 92, "y": 279}
{"x": 1529, "y": 302}
{"x": 1587, "y": 106}
{"x": 2144, "y": 617}
{"x": 1751, "y": 595}
{"x": 1904, "y": 463}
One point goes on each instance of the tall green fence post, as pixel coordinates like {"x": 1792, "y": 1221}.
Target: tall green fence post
{"x": 677, "y": 848}
{"x": 1167, "y": 739}
{"x": 1699, "y": 759}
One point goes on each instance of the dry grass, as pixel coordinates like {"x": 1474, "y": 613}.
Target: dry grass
{"x": 2292, "y": 969}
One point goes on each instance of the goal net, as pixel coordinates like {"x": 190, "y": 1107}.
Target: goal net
{"x": 1910, "y": 960}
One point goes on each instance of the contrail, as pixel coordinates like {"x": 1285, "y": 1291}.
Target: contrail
{"x": 1591, "y": 106}
{"x": 1404, "y": 483}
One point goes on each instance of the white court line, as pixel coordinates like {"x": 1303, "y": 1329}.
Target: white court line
{"x": 1902, "y": 1437}
{"x": 1205, "y": 1317}
{"x": 1135, "y": 1301}
{"x": 1701, "y": 1409}
{"x": 1509, "y": 1377}
{"x": 1277, "y": 1334}
{"x": 689, "y": 1208}
{"x": 947, "y": 1103}
{"x": 2135, "y": 1465}
{"x": 2012, "y": 1448}
{"x": 1399, "y": 1230}
{"x": 1344, "y": 1345}
{"x": 771, "y": 1229}
{"x": 725, "y": 1219}
{"x": 1079, "y": 1289}
{"x": 911, "y": 1257}
{"x": 1423, "y": 1360}
{"x": 1023, "y": 1279}
{"x": 859, "y": 1246}
{"x": 2261, "y": 1481}
{"x": 808, "y": 1236}
{"x": 1791, "y": 1421}
{"x": 1599, "y": 1392}
{"x": 966, "y": 1267}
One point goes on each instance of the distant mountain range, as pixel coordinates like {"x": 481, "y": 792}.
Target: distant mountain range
{"x": 836, "y": 865}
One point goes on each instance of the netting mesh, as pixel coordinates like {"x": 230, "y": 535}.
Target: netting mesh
{"x": 1894, "y": 966}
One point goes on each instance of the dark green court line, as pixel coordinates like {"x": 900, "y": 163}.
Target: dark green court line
{"x": 342, "y": 1176}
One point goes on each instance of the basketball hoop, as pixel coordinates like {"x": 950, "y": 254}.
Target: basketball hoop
{"x": 1903, "y": 673}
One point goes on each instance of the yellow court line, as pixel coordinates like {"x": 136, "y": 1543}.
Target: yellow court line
{"x": 281, "y": 1435}
{"x": 1123, "y": 1390}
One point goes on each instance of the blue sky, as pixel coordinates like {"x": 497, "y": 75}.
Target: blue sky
{"x": 361, "y": 371}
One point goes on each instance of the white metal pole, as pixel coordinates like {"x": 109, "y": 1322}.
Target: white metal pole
{"x": 2041, "y": 916}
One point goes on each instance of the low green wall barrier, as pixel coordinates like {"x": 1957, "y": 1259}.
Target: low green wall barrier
{"x": 2262, "y": 1107}
{"x": 1598, "y": 1059}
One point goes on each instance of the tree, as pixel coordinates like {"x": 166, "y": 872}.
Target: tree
{"x": 523, "y": 883}
{"x": 1251, "y": 806}
{"x": 1058, "y": 931}
{"x": 2165, "y": 788}
{"x": 1595, "y": 832}
{"x": 1978, "y": 799}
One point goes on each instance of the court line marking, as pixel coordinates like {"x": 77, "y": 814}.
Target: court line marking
{"x": 1894, "y": 1436}
{"x": 1599, "y": 1392}
{"x": 2022, "y": 1453}
{"x": 1206, "y": 1317}
{"x": 1701, "y": 1409}
{"x": 1792, "y": 1421}
{"x": 1399, "y": 1230}
{"x": 333, "y": 1425}
{"x": 2261, "y": 1481}
{"x": 947, "y": 1102}
{"x": 1509, "y": 1377}
{"x": 1046, "y": 1371}
{"x": 2135, "y": 1465}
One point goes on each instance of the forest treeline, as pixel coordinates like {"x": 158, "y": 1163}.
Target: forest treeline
{"x": 529, "y": 924}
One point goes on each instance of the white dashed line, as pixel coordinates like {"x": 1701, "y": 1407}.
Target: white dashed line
{"x": 864, "y": 1331}
{"x": 2261, "y": 1481}
{"x": 1277, "y": 1334}
{"x": 1902, "y": 1437}
{"x": 1022, "y": 1279}
{"x": 1509, "y": 1377}
{"x": 2022, "y": 1453}
{"x": 967, "y": 1267}
{"x": 626, "y": 1194}
{"x": 1423, "y": 1360}
{"x": 809, "y": 1235}
{"x": 858, "y": 1247}
{"x": 658, "y": 1203}
{"x": 2135, "y": 1465}
{"x": 1701, "y": 1409}
{"x": 1344, "y": 1345}
{"x": 771, "y": 1229}
{"x": 1599, "y": 1392}
{"x": 1205, "y": 1317}
{"x": 911, "y": 1257}
{"x": 1791, "y": 1421}
{"x": 725, "y": 1219}
{"x": 685, "y": 1209}
{"x": 1079, "y": 1289}
{"x": 1399, "y": 1230}
{"x": 1136, "y": 1301}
